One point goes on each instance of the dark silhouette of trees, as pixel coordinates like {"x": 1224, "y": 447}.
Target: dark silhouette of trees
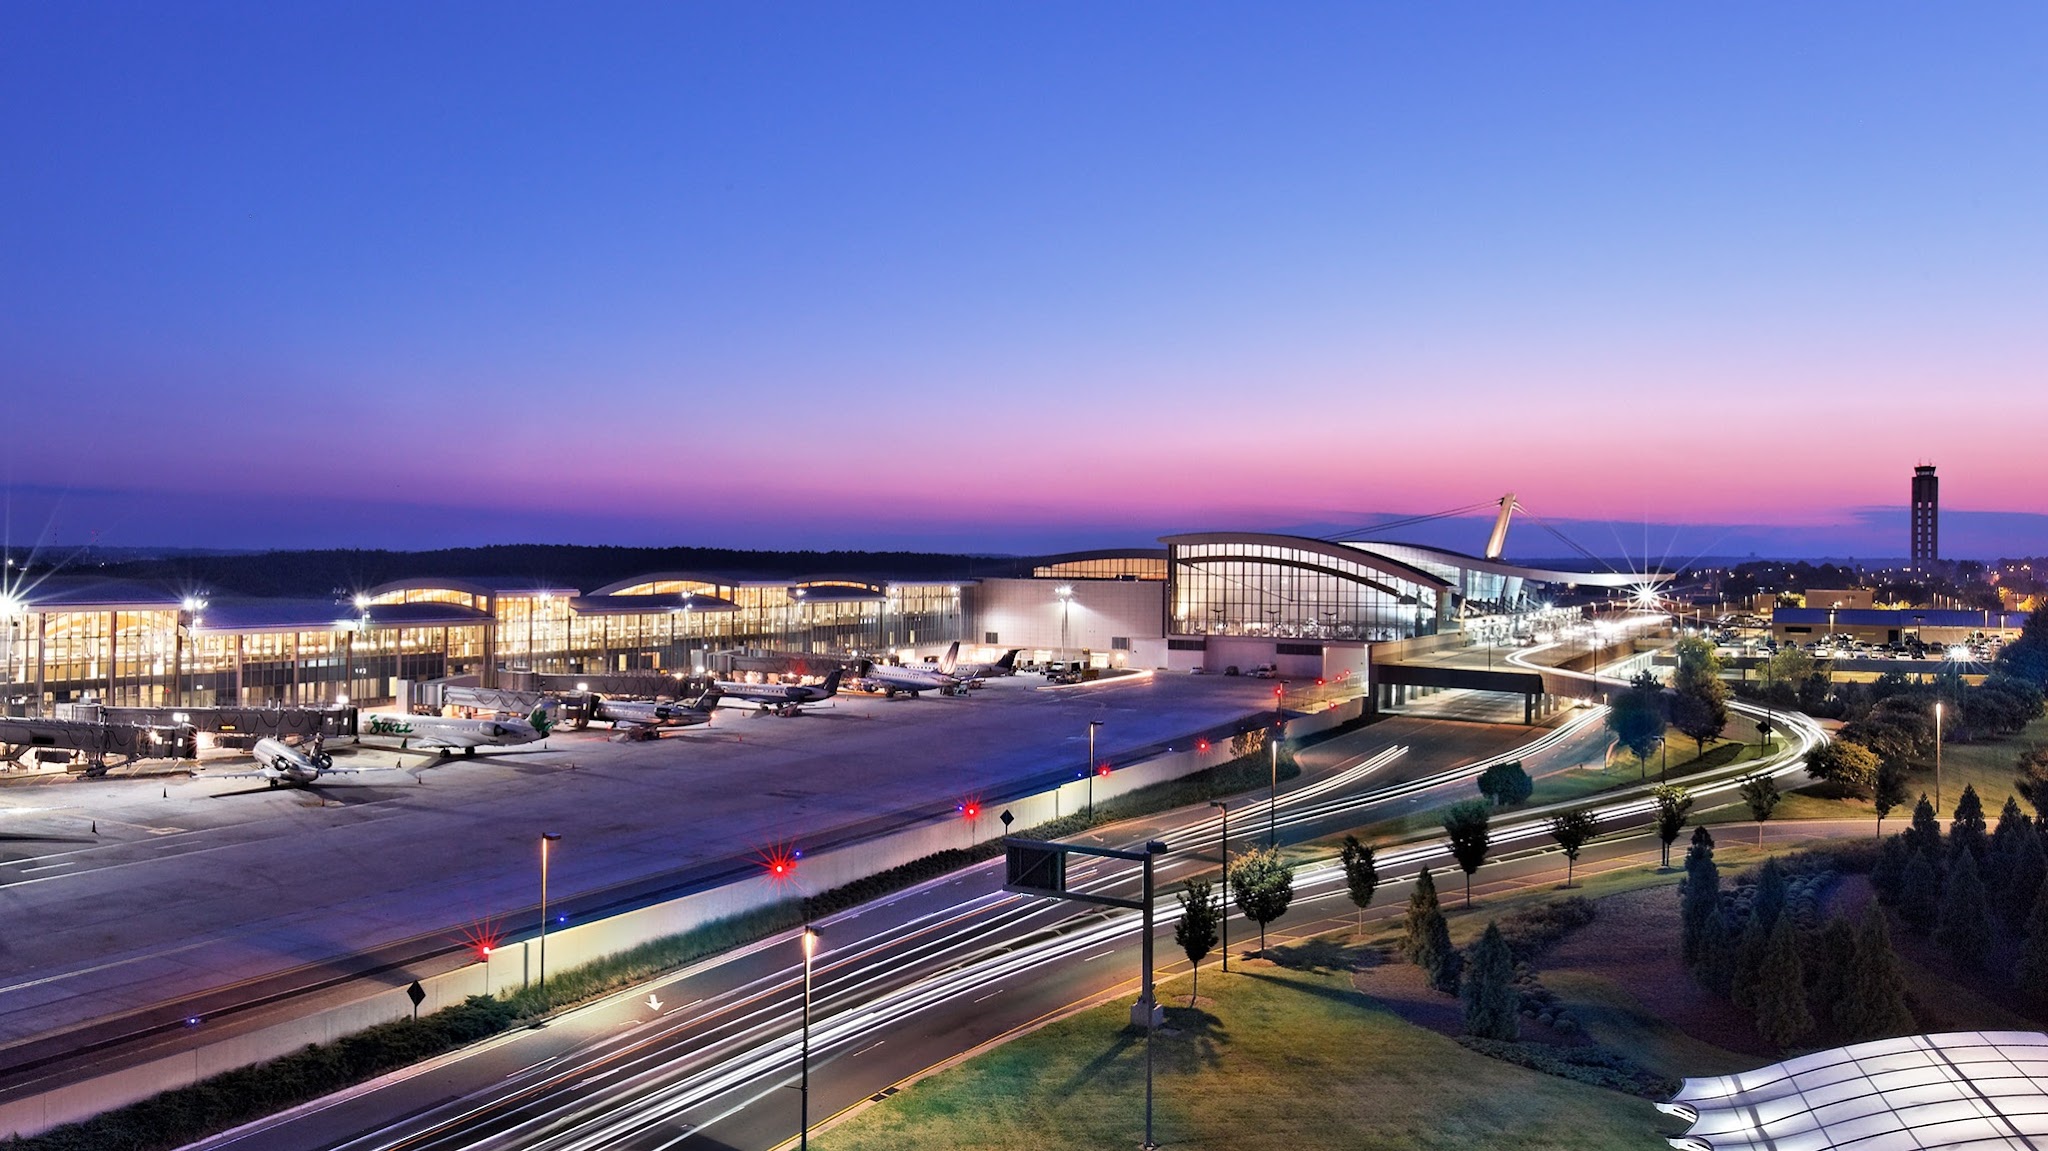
{"x": 1967, "y": 831}
{"x": 1636, "y": 717}
{"x": 1888, "y": 793}
{"x": 1781, "y": 1014}
{"x": 1963, "y": 926}
{"x": 1874, "y": 1006}
{"x": 1920, "y": 894}
{"x": 1845, "y": 763}
{"x": 1506, "y": 784}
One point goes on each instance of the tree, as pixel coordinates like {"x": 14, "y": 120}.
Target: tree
{"x": 1845, "y": 763}
{"x": 1888, "y": 874}
{"x": 2002, "y": 856}
{"x": 1673, "y": 802}
{"x": 1467, "y": 825}
{"x": 1760, "y": 792}
{"x": 1874, "y": 1006}
{"x": 1832, "y": 966}
{"x": 1888, "y": 792}
{"x": 1767, "y": 902}
{"x": 1506, "y": 784}
{"x": 1197, "y": 929}
{"x": 1491, "y": 1001}
{"x": 1785, "y": 671}
{"x": 1699, "y": 908}
{"x": 1964, "y": 926}
{"x": 2026, "y": 876}
{"x": 1781, "y": 1015}
{"x": 2032, "y": 973}
{"x": 1920, "y": 894}
{"x": 1636, "y": 717}
{"x": 1746, "y": 975}
{"x": 2032, "y": 783}
{"x": 2027, "y": 657}
{"x": 1967, "y": 830}
{"x": 1426, "y": 938}
{"x": 1361, "y": 875}
{"x": 1262, "y": 885}
{"x": 1699, "y": 707}
{"x": 1571, "y": 830}
{"x": 1925, "y": 834}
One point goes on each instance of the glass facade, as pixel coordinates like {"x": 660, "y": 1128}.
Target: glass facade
{"x": 1279, "y": 588}
{"x": 1142, "y": 567}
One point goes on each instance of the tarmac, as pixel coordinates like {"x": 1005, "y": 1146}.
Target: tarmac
{"x": 122, "y": 893}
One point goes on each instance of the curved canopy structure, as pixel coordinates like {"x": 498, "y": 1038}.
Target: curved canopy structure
{"x": 1975, "y": 1089}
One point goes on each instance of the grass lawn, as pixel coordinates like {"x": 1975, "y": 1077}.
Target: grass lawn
{"x": 1280, "y": 1059}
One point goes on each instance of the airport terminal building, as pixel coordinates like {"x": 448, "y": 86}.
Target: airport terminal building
{"x": 1307, "y": 607}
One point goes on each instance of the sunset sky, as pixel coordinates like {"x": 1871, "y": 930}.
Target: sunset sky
{"x": 1019, "y": 277}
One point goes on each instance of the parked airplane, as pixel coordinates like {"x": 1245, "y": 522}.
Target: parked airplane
{"x": 642, "y": 719}
{"x": 892, "y": 680}
{"x": 780, "y": 698}
{"x": 281, "y": 763}
{"x": 950, "y": 665}
{"x": 443, "y": 733}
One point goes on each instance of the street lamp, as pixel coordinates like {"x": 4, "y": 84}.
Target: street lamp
{"x": 1937, "y": 759}
{"x": 546, "y": 837}
{"x": 803, "y": 1139}
{"x": 1225, "y": 838}
{"x": 1092, "y": 725}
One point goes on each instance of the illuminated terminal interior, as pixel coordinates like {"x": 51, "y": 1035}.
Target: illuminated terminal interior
{"x": 1306, "y": 606}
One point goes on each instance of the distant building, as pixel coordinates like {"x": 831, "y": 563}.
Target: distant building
{"x": 1926, "y": 518}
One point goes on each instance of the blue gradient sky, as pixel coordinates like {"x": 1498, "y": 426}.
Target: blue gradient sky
{"x": 1018, "y": 277}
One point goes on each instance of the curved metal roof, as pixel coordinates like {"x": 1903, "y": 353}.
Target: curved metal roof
{"x": 473, "y": 585}
{"x": 1340, "y": 552}
{"x": 1502, "y": 567}
{"x": 1979, "y": 1089}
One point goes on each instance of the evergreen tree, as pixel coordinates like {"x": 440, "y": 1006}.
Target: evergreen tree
{"x": 1716, "y": 969}
{"x": 1925, "y": 834}
{"x": 1767, "y": 903}
{"x": 1746, "y": 968}
{"x": 1196, "y": 930}
{"x": 1888, "y": 874}
{"x": 1781, "y": 1015}
{"x": 2025, "y": 873}
{"x": 1875, "y": 1004}
{"x": 2032, "y": 972}
{"x": 2002, "y": 855}
{"x": 1699, "y": 894}
{"x": 1415, "y": 927}
{"x": 1967, "y": 831}
{"x": 1832, "y": 966}
{"x": 1361, "y": 875}
{"x": 1920, "y": 894}
{"x": 1491, "y": 1001}
{"x": 2032, "y": 781}
{"x": 1964, "y": 925}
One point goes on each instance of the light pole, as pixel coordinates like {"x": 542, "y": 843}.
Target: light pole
{"x": 1937, "y": 759}
{"x": 1273, "y": 798}
{"x": 546, "y": 837}
{"x": 1092, "y": 725}
{"x": 1225, "y": 920}
{"x": 803, "y": 1139}
{"x": 1066, "y": 594}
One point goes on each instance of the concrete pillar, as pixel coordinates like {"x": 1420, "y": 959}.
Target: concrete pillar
{"x": 1529, "y": 708}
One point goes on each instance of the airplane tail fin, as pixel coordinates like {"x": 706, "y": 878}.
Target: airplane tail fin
{"x": 540, "y": 719}
{"x": 832, "y": 681}
{"x": 1009, "y": 660}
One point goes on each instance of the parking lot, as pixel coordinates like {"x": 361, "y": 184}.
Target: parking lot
{"x": 128, "y": 892}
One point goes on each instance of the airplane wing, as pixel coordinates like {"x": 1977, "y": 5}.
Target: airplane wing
{"x": 444, "y": 739}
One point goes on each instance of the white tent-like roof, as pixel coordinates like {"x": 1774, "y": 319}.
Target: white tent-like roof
{"x": 1966, "y": 1089}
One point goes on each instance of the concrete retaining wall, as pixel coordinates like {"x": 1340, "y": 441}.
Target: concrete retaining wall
{"x": 517, "y": 963}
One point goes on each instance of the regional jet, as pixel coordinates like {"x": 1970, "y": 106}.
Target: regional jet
{"x": 281, "y": 763}
{"x": 442, "y": 733}
{"x": 892, "y": 680}
{"x": 643, "y": 719}
{"x": 965, "y": 672}
{"x": 780, "y": 698}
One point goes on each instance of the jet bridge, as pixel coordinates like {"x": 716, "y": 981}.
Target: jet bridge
{"x": 96, "y": 742}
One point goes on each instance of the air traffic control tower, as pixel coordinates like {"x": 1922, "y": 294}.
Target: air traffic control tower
{"x": 1926, "y": 518}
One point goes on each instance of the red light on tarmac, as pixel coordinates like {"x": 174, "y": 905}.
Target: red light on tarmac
{"x": 1201, "y": 745}
{"x": 971, "y": 810}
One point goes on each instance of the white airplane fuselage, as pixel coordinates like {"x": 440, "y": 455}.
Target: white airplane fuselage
{"x": 279, "y": 762}
{"x": 444, "y": 732}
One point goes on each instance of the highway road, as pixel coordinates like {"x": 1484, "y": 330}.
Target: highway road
{"x": 707, "y": 1058}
